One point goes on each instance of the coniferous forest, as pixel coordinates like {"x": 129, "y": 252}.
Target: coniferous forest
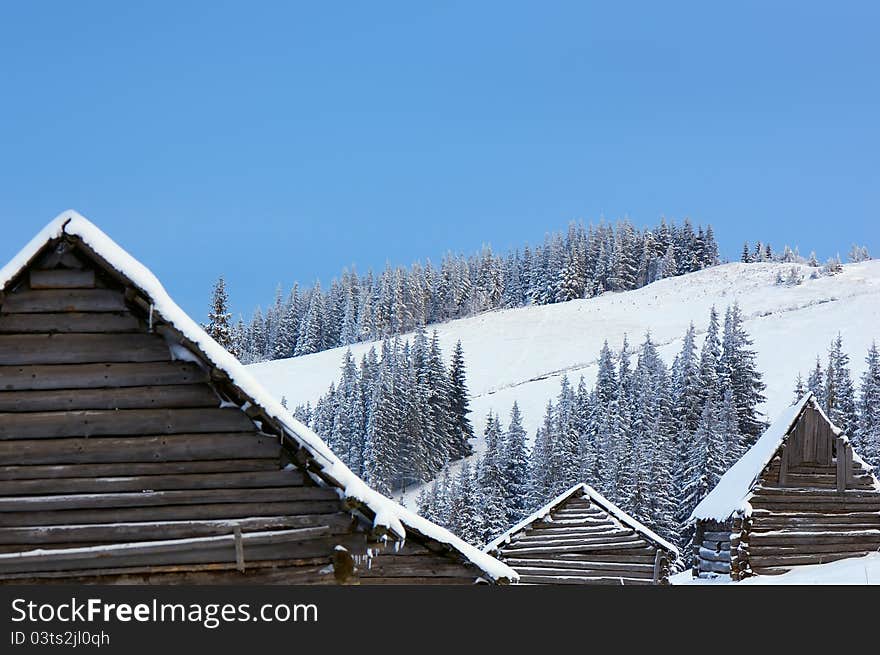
{"x": 653, "y": 438}
{"x": 581, "y": 262}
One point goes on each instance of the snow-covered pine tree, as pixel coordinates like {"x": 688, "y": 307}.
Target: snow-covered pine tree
{"x": 800, "y": 388}
{"x": 839, "y": 392}
{"x": 869, "y": 409}
{"x": 489, "y": 470}
{"x": 436, "y": 388}
{"x": 541, "y": 475}
{"x": 383, "y": 439}
{"x": 311, "y": 331}
{"x": 515, "y": 458}
{"x": 708, "y": 459}
{"x": 816, "y": 381}
{"x": 565, "y": 447}
{"x": 459, "y": 406}
{"x": 346, "y": 438}
{"x": 738, "y": 365}
{"x": 465, "y": 506}
{"x": 710, "y": 362}
{"x": 218, "y": 327}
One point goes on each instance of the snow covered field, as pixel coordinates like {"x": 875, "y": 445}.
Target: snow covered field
{"x": 854, "y": 571}
{"x": 521, "y": 354}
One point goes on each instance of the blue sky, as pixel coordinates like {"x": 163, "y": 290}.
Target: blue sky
{"x": 276, "y": 142}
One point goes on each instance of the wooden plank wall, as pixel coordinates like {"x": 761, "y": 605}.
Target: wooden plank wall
{"x": 104, "y": 439}
{"x": 583, "y": 544}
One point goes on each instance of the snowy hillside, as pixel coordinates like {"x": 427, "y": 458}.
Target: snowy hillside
{"x": 521, "y": 354}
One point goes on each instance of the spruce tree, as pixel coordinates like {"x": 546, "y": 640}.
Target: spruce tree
{"x": 839, "y": 391}
{"x": 869, "y": 409}
{"x": 516, "y": 468}
{"x": 459, "y": 406}
{"x": 739, "y": 368}
{"x": 218, "y": 317}
{"x": 816, "y": 382}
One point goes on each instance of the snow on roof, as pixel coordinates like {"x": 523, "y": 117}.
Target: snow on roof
{"x": 387, "y": 513}
{"x": 730, "y": 494}
{"x": 597, "y": 498}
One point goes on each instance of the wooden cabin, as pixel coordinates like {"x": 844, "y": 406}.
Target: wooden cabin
{"x": 134, "y": 449}
{"x": 582, "y": 538}
{"x": 799, "y": 496}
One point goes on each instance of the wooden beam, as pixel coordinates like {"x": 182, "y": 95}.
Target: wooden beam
{"x": 144, "y": 448}
{"x": 76, "y": 322}
{"x": 121, "y": 422}
{"x": 61, "y": 278}
{"x": 81, "y": 348}
{"x": 841, "y": 465}
{"x": 64, "y": 300}
{"x": 124, "y": 481}
{"x": 239, "y": 549}
{"x": 183, "y": 396}
{"x": 99, "y": 375}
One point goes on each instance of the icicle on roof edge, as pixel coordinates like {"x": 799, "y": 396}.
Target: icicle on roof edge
{"x": 388, "y": 513}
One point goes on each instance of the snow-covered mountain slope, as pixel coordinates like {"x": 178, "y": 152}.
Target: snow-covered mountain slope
{"x": 521, "y": 354}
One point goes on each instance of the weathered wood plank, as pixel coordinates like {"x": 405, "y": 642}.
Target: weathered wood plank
{"x": 578, "y": 565}
{"x": 848, "y": 466}
{"x": 154, "y": 498}
{"x": 260, "y": 545}
{"x": 841, "y": 464}
{"x": 759, "y": 550}
{"x": 387, "y": 565}
{"x": 87, "y": 471}
{"x": 64, "y": 300}
{"x": 93, "y": 423}
{"x": 100, "y": 375}
{"x": 78, "y": 322}
{"x": 81, "y": 348}
{"x": 782, "y": 475}
{"x": 62, "y": 278}
{"x": 169, "y": 513}
{"x": 828, "y": 536}
{"x": 164, "y": 396}
{"x": 541, "y": 535}
{"x": 639, "y": 556}
{"x": 540, "y": 550}
{"x": 154, "y": 530}
{"x": 255, "y": 479}
{"x": 591, "y": 573}
{"x": 544, "y": 579}
{"x": 167, "y": 448}
{"x": 800, "y": 559}
{"x": 589, "y": 540}
{"x": 312, "y": 571}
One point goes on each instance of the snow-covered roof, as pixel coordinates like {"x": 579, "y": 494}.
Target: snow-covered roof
{"x": 595, "y": 497}
{"x": 387, "y": 513}
{"x": 732, "y": 490}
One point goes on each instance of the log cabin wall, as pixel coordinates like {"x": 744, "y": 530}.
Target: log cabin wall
{"x": 582, "y": 543}
{"x": 814, "y": 503}
{"x": 107, "y": 440}
{"x": 712, "y": 542}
